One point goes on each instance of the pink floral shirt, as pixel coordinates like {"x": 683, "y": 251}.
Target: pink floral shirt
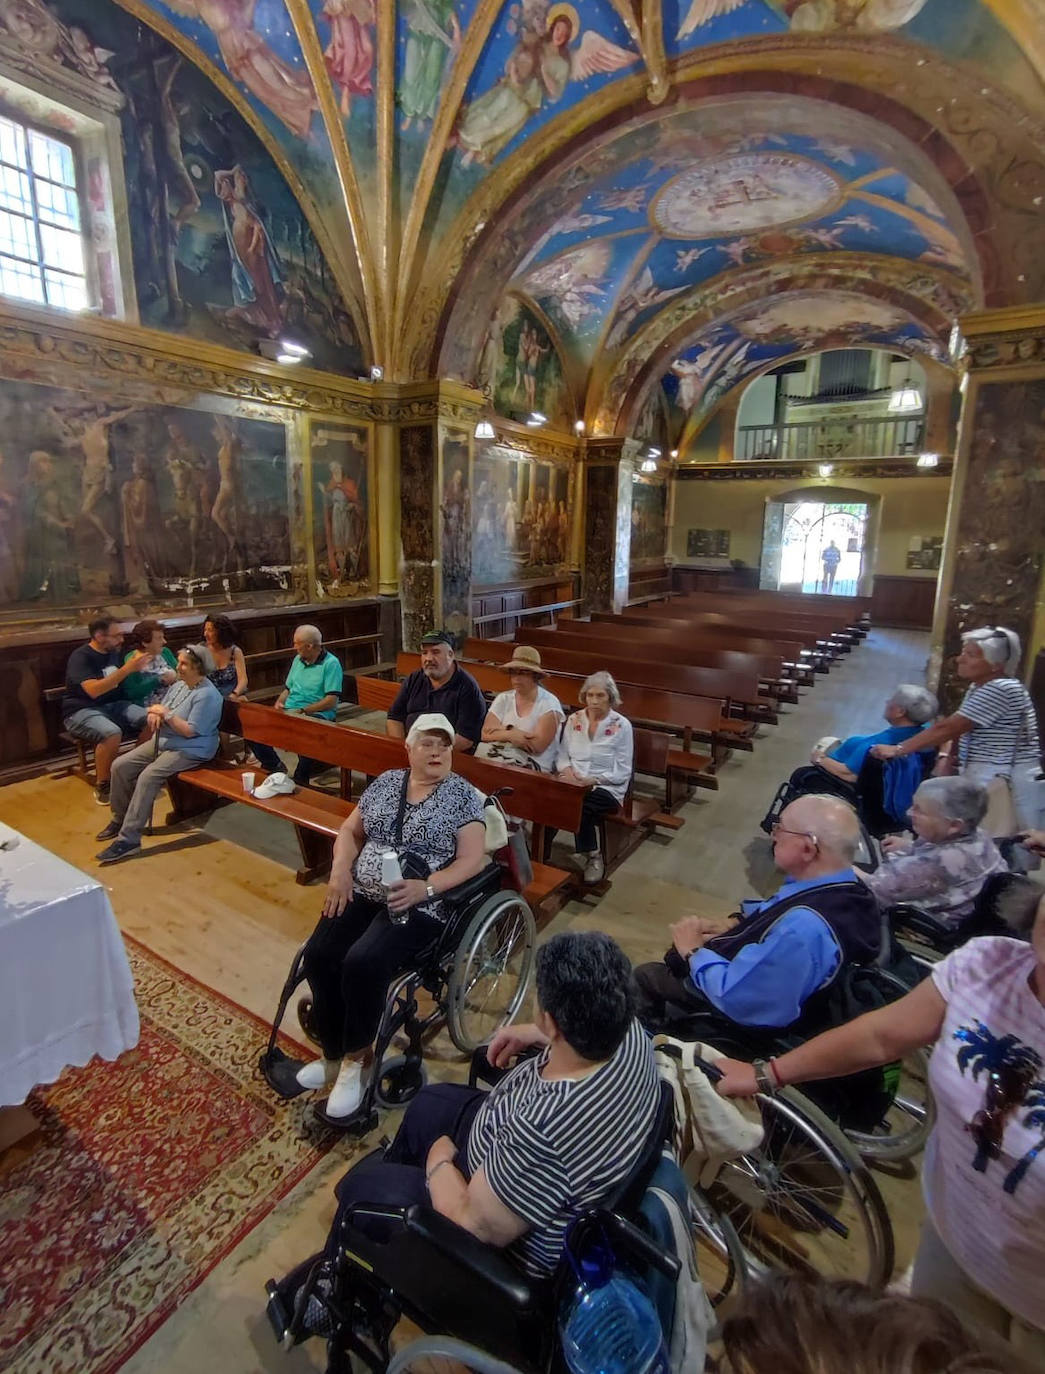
{"x": 990, "y": 1210}
{"x": 607, "y": 758}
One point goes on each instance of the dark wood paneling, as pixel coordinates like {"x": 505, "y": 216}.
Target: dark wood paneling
{"x": 712, "y": 579}
{"x": 906, "y": 602}
{"x": 518, "y": 596}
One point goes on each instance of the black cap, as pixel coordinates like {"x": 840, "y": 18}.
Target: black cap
{"x": 437, "y": 637}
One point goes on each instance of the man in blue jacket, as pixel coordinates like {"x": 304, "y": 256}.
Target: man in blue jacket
{"x": 775, "y": 963}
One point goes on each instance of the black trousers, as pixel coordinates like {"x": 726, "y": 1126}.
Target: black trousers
{"x": 598, "y": 802}
{"x": 272, "y": 763}
{"x": 349, "y": 962}
{"x": 668, "y": 1004}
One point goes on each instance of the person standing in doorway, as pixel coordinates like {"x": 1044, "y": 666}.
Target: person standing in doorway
{"x": 831, "y": 558}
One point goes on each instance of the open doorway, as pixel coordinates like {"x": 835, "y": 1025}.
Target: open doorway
{"x": 822, "y": 547}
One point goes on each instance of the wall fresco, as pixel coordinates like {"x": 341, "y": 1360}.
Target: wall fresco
{"x": 649, "y": 521}
{"x": 341, "y": 523}
{"x": 102, "y": 500}
{"x": 520, "y": 366}
{"x": 521, "y": 516}
{"x": 455, "y": 510}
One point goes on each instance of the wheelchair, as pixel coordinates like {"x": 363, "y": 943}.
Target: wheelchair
{"x": 477, "y": 973}
{"x": 928, "y": 939}
{"x": 472, "y": 1300}
{"x": 867, "y": 795}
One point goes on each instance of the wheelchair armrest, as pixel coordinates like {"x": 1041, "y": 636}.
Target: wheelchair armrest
{"x": 487, "y": 879}
{"x": 489, "y": 1266}
{"x": 920, "y": 923}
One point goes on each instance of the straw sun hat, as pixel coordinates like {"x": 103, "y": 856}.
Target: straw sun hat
{"x": 529, "y": 660}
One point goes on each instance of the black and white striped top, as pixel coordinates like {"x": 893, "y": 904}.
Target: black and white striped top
{"x": 1006, "y": 731}
{"x": 551, "y": 1149}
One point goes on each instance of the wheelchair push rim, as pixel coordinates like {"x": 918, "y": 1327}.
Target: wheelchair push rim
{"x": 492, "y": 970}
{"x": 804, "y": 1201}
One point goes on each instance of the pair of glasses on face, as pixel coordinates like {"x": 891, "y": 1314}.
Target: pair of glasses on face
{"x": 779, "y": 829}
{"x": 1006, "y": 1089}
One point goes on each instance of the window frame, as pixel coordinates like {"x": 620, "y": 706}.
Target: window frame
{"x": 72, "y": 144}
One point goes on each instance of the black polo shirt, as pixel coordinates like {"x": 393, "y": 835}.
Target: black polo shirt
{"x": 458, "y": 699}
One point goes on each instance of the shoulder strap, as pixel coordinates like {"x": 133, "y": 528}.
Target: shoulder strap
{"x": 397, "y": 833}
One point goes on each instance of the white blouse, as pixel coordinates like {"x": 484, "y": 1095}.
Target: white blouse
{"x": 607, "y": 759}
{"x": 505, "y": 708}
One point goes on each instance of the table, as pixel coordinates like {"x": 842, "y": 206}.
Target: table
{"x": 66, "y": 990}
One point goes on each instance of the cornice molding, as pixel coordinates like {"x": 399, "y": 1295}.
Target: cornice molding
{"x": 842, "y": 468}
{"x": 530, "y": 443}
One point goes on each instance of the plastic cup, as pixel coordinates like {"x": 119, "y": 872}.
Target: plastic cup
{"x": 248, "y": 782}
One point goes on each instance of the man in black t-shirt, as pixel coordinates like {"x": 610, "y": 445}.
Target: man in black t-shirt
{"x": 440, "y": 686}
{"x": 94, "y": 708}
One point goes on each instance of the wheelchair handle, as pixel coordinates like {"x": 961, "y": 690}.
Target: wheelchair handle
{"x": 635, "y": 1241}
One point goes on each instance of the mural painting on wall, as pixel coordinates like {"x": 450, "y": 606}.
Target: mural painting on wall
{"x": 341, "y": 507}
{"x": 221, "y": 248}
{"x": 649, "y": 518}
{"x": 416, "y": 488}
{"x": 141, "y": 501}
{"x": 455, "y": 507}
{"x": 924, "y": 552}
{"x": 521, "y": 517}
{"x": 707, "y": 543}
{"x": 520, "y": 368}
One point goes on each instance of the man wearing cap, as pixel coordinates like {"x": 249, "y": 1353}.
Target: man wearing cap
{"x": 184, "y": 729}
{"x": 440, "y": 687}
{"x": 313, "y": 688}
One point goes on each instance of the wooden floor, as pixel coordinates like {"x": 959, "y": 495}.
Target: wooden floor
{"x": 220, "y": 902}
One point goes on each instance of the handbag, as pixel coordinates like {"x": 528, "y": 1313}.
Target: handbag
{"x": 500, "y": 751}
{"x": 1000, "y": 818}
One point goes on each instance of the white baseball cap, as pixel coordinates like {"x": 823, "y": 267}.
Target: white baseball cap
{"x": 431, "y": 720}
{"x": 275, "y": 785}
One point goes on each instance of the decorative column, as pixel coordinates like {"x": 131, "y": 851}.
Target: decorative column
{"x": 386, "y": 453}
{"x": 994, "y": 545}
{"x": 608, "y": 470}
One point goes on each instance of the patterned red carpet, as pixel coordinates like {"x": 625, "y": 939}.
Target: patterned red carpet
{"x": 147, "y": 1172}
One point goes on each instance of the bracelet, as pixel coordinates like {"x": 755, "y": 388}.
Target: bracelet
{"x": 763, "y": 1079}
{"x": 776, "y": 1073}
{"x": 434, "y": 1170}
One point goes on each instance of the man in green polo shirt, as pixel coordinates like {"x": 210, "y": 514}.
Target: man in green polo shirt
{"x": 313, "y": 688}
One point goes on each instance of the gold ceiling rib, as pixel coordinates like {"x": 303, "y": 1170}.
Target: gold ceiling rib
{"x": 305, "y": 28}
{"x": 345, "y": 268}
{"x": 387, "y": 235}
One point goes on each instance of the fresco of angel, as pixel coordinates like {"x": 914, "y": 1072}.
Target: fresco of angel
{"x": 692, "y": 373}
{"x": 639, "y": 297}
{"x": 813, "y": 16}
{"x": 281, "y": 88}
{"x": 541, "y": 66}
{"x": 349, "y": 55}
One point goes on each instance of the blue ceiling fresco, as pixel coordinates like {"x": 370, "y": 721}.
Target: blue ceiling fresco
{"x": 699, "y": 204}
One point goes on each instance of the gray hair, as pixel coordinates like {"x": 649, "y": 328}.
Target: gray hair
{"x": 956, "y": 799}
{"x": 917, "y": 703}
{"x": 997, "y": 645}
{"x": 604, "y": 681}
{"x": 309, "y": 633}
{"x": 832, "y": 820}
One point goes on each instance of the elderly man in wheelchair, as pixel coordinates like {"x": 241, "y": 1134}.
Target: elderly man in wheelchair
{"x": 420, "y": 1225}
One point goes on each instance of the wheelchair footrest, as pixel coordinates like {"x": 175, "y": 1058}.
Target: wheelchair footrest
{"x": 281, "y": 1073}
{"x": 276, "y": 1311}
{"x": 360, "y": 1123}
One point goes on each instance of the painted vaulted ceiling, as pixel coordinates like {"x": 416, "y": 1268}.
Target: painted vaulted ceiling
{"x": 639, "y": 189}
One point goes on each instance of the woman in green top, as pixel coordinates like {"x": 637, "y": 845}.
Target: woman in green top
{"x": 147, "y": 686}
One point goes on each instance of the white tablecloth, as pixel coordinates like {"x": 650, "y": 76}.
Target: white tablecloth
{"x": 66, "y": 991}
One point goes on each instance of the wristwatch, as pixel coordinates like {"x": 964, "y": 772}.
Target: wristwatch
{"x": 430, "y": 891}
{"x": 764, "y": 1079}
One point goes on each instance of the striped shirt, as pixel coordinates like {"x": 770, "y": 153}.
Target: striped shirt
{"x": 551, "y": 1149}
{"x": 1005, "y": 729}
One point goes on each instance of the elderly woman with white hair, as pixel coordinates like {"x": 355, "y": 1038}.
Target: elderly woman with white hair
{"x": 906, "y": 712}
{"x": 996, "y": 730}
{"x": 597, "y": 746}
{"x": 943, "y": 868}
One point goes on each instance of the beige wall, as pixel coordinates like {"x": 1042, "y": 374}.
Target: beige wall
{"x": 909, "y": 506}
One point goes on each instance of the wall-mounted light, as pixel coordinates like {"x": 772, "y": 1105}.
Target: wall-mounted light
{"x": 377, "y": 373}
{"x": 825, "y": 469}
{"x": 537, "y": 419}
{"x": 928, "y": 460}
{"x": 905, "y": 398}
{"x": 288, "y": 359}
{"x": 674, "y": 453}
{"x": 484, "y": 430}
{"x": 578, "y": 426}
{"x": 295, "y": 349}
{"x": 649, "y": 465}
{"x": 285, "y": 351}
{"x": 653, "y": 452}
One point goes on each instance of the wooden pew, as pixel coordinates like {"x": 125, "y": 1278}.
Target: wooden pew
{"x": 806, "y": 637}
{"x": 824, "y": 626}
{"x": 779, "y": 674}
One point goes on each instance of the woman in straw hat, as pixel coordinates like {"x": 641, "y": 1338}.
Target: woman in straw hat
{"x": 522, "y": 725}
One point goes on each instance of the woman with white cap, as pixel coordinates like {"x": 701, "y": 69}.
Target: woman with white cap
{"x": 522, "y": 724}
{"x": 995, "y": 727}
{"x": 369, "y": 932}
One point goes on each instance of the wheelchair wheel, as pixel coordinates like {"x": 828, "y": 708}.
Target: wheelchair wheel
{"x": 492, "y": 969}
{"x": 305, "y": 1020}
{"x": 803, "y": 1201}
{"x": 399, "y": 1081}
{"x": 721, "y": 1261}
{"x": 905, "y": 1127}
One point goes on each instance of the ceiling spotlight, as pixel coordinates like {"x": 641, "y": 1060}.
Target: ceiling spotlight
{"x": 825, "y": 469}
{"x": 377, "y": 373}
{"x": 649, "y": 465}
{"x": 905, "y": 398}
{"x": 296, "y": 349}
{"x": 537, "y": 419}
{"x": 484, "y": 430}
{"x": 578, "y": 426}
{"x": 928, "y": 460}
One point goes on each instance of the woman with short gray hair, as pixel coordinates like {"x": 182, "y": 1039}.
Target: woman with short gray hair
{"x": 943, "y": 867}
{"x": 596, "y": 746}
{"x": 995, "y": 727}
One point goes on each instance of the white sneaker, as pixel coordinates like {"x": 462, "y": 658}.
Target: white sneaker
{"x": 347, "y": 1092}
{"x": 319, "y": 1074}
{"x": 594, "y": 869}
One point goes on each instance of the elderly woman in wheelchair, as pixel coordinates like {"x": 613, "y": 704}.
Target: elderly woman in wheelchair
{"x": 557, "y": 1134}
{"x": 369, "y": 931}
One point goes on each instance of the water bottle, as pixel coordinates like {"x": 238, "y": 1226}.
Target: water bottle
{"x": 610, "y": 1326}
{"x": 392, "y": 873}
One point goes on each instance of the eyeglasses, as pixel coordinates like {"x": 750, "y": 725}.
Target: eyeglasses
{"x": 779, "y": 829}
{"x": 1006, "y": 1089}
